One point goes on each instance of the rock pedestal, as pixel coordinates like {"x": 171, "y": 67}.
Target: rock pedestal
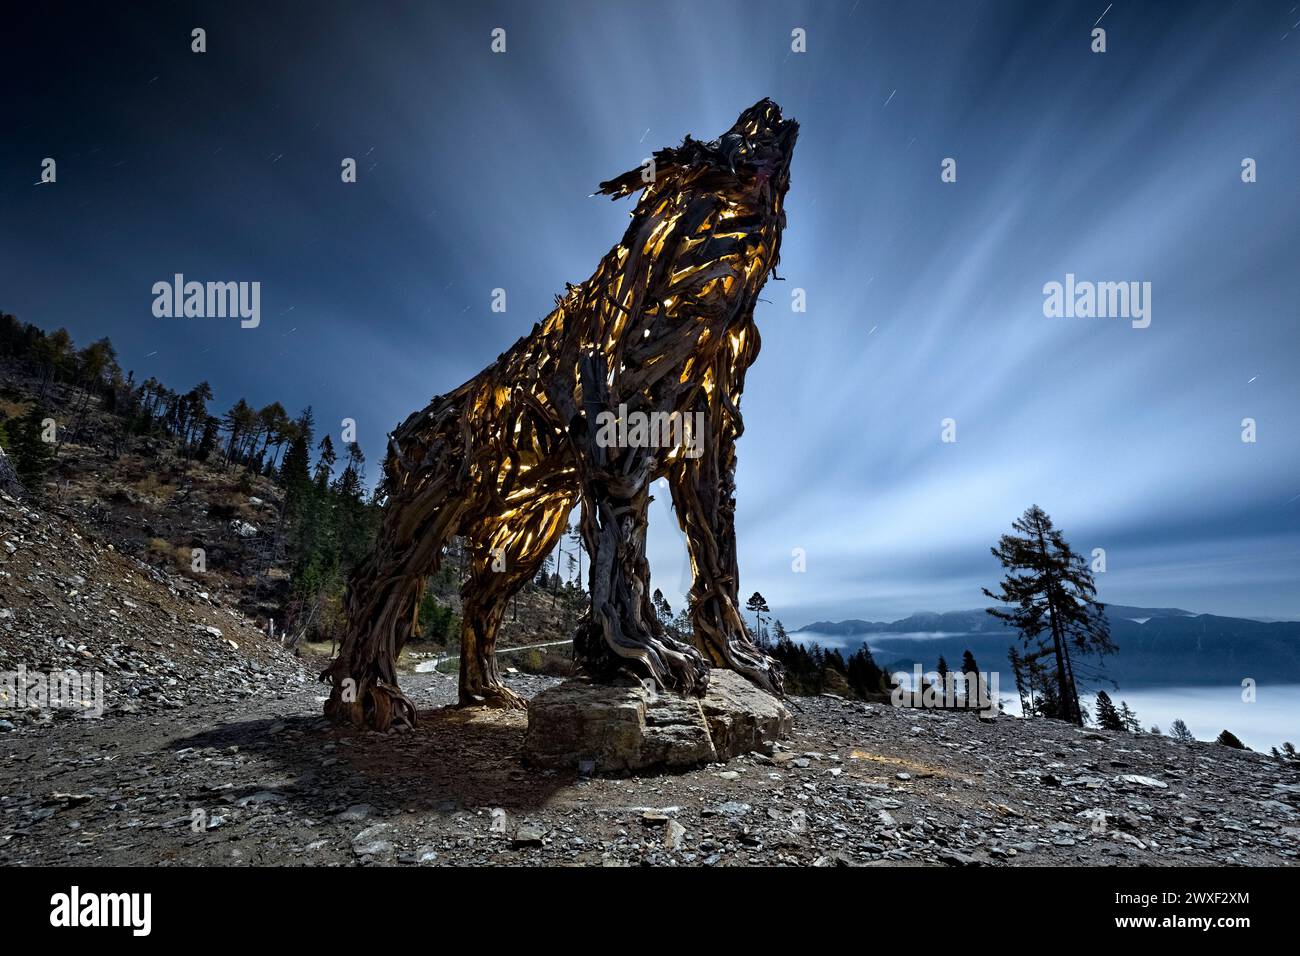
{"x": 618, "y": 728}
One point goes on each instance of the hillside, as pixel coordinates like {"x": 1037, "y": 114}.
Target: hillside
{"x": 212, "y": 500}
{"x": 162, "y": 642}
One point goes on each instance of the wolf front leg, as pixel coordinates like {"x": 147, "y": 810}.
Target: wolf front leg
{"x": 703, "y": 489}
{"x": 622, "y": 633}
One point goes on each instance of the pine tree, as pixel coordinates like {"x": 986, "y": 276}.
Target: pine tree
{"x": 295, "y": 474}
{"x": 91, "y": 364}
{"x": 1108, "y": 718}
{"x": 942, "y": 683}
{"x": 1022, "y": 684}
{"x": 325, "y": 463}
{"x": 974, "y": 682}
{"x": 31, "y": 455}
{"x": 661, "y": 606}
{"x": 208, "y": 443}
{"x": 865, "y": 677}
{"x": 1129, "y": 719}
{"x": 1179, "y": 731}
{"x": 758, "y": 604}
{"x": 1227, "y": 738}
{"x": 271, "y": 422}
{"x": 239, "y": 421}
{"x": 1053, "y": 593}
{"x": 355, "y": 527}
{"x": 681, "y": 628}
{"x": 575, "y": 535}
{"x": 435, "y": 619}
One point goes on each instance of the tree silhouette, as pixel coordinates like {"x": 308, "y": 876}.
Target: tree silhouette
{"x": 1055, "y": 603}
{"x": 1129, "y": 719}
{"x": 1107, "y": 716}
{"x": 974, "y": 681}
{"x": 575, "y": 535}
{"x": 31, "y": 454}
{"x": 758, "y": 604}
{"x": 1228, "y": 739}
{"x": 942, "y": 671}
{"x": 661, "y": 606}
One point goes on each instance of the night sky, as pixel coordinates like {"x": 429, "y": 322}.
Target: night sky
{"x": 924, "y": 298}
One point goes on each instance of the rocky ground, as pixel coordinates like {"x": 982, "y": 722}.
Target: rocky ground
{"x": 161, "y": 640}
{"x": 211, "y": 750}
{"x": 263, "y": 780}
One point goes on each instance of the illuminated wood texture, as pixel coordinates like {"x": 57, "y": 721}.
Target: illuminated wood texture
{"x": 665, "y": 324}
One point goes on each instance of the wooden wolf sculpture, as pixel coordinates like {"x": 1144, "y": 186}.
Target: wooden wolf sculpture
{"x": 665, "y": 325}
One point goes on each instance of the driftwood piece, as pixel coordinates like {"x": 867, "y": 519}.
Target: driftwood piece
{"x": 664, "y": 326}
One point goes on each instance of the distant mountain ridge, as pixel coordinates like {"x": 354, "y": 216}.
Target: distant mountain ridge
{"x": 1168, "y": 646}
{"x": 977, "y": 620}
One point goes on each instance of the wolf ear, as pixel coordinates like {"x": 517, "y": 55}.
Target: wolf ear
{"x": 633, "y": 180}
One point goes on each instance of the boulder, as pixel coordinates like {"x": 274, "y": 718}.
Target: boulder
{"x": 629, "y": 727}
{"x": 741, "y": 717}
{"x": 615, "y": 728}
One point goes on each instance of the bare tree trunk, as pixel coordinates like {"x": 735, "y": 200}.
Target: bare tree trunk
{"x": 1066, "y": 688}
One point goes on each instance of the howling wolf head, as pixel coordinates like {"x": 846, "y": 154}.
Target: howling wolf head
{"x": 747, "y": 167}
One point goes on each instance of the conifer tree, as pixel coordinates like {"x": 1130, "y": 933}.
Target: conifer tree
{"x": 974, "y": 682}
{"x": 324, "y": 463}
{"x": 865, "y": 677}
{"x": 661, "y": 606}
{"x": 1227, "y": 738}
{"x": 295, "y": 473}
{"x": 941, "y": 670}
{"x": 1108, "y": 718}
{"x": 1055, "y": 606}
{"x": 32, "y": 456}
{"x": 1179, "y": 731}
{"x": 1129, "y": 719}
{"x": 758, "y": 604}
{"x": 1022, "y": 684}
{"x": 575, "y": 536}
